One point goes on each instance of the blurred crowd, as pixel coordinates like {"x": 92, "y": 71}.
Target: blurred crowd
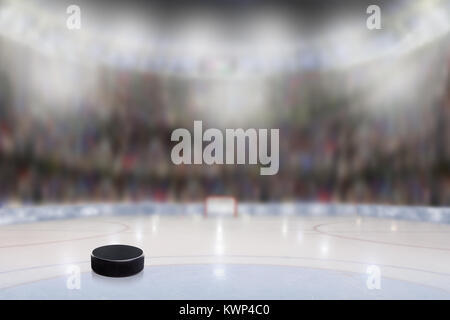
{"x": 112, "y": 143}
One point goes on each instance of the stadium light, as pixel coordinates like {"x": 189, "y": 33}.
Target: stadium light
{"x": 270, "y": 45}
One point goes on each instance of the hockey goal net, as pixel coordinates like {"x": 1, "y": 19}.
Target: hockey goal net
{"x": 220, "y": 206}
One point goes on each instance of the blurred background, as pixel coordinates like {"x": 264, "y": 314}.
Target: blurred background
{"x": 86, "y": 115}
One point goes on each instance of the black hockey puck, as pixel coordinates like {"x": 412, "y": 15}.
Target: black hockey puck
{"x": 117, "y": 260}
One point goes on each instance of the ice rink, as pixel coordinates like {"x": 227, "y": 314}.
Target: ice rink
{"x": 189, "y": 256}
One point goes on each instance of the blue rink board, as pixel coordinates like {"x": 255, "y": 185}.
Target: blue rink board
{"x": 10, "y": 215}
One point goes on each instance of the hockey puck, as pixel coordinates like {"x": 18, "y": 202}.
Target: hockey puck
{"x": 117, "y": 260}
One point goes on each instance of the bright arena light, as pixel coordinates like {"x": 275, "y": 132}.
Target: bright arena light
{"x": 270, "y": 46}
